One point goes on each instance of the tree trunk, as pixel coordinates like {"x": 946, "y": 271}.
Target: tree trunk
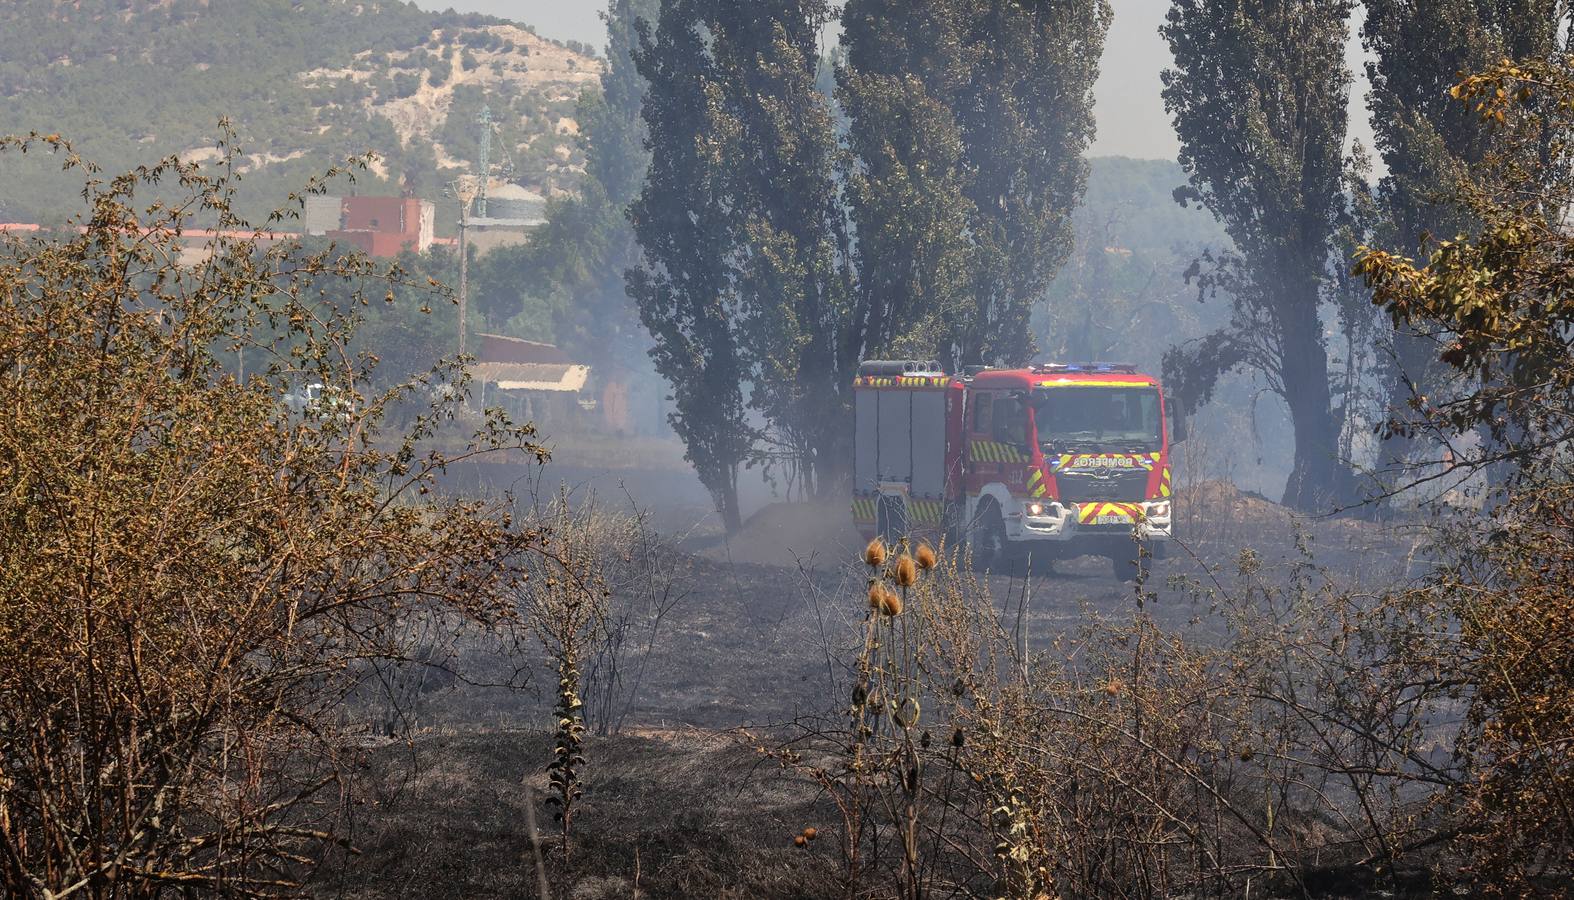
{"x": 723, "y": 487}
{"x": 1413, "y": 357}
{"x": 1318, "y": 481}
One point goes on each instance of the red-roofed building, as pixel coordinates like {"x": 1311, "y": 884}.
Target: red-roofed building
{"x": 380, "y": 226}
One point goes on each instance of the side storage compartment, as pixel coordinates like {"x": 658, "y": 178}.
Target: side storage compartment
{"x": 894, "y": 437}
{"x": 866, "y": 440}
{"x": 899, "y": 455}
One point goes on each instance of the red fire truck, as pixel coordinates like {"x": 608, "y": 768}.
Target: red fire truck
{"x": 1041, "y": 463}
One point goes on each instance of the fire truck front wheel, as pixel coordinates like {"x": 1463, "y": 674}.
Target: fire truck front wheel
{"x": 986, "y": 539}
{"x": 1127, "y": 559}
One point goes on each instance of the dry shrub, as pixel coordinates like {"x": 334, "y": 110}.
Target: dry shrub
{"x": 1299, "y": 739}
{"x": 191, "y": 577}
{"x": 645, "y": 579}
{"x": 1497, "y": 300}
{"x": 564, "y": 599}
{"x": 1508, "y": 588}
{"x": 1137, "y": 761}
{"x": 598, "y": 580}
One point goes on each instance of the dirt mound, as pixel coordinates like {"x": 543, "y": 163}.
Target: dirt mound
{"x": 781, "y": 534}
{"x": 1214, "y": 500}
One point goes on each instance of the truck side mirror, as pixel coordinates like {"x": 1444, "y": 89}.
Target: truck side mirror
{"x": 1177, "y": 427}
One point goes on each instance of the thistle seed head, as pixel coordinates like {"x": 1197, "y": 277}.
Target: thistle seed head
{"x": 906, "y": 571}
{"x": 892, "y": 604}
{"x": 874, "y": 554}
{"x": 926, "y": 557}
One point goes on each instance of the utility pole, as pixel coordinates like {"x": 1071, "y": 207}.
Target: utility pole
{"x": 464, "y": 266}
{"x": 464, "y": 191}
{"x": 485, "y": 121}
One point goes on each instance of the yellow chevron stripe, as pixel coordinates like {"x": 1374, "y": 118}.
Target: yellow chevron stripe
{"x": 996, "y": 452}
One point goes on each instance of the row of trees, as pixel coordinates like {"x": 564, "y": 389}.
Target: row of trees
{"x": 788, "y": 234}
{"x": 781, "y": 216}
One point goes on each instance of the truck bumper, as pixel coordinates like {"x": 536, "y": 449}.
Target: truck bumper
{"x": 1059, "y": 523}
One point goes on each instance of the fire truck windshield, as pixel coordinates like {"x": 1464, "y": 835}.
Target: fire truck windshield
{"x": 1107, "y": 419}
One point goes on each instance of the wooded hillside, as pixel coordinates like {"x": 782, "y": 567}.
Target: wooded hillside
{"x": 305, "y": 82}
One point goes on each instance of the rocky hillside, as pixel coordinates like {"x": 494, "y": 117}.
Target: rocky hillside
{"x": 304, "y": 82}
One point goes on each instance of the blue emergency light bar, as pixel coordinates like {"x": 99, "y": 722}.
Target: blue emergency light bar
{"x": 1094, "y": 367}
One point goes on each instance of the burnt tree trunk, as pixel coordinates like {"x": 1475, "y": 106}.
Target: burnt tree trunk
{"x": 1319, "y": 478}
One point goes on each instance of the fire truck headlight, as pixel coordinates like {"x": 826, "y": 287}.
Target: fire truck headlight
{"x": 1035, "y": 509}
{"x": 1159, "y": 510}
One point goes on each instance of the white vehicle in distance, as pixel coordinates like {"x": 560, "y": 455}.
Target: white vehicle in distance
{"x": 318, "y": 401}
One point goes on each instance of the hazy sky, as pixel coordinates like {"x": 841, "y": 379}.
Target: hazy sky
{"x": 1131, "y": 119}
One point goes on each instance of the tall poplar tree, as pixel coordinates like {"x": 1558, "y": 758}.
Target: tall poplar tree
{"x": 969, "y": 122}
{"x": 1258, "y": 95}
{"x": 792, "y": 269}
{"x": 907, "y": 173}
{"x": 1026, "y": 117}
{"x": 685, "y": 223}
{"x": 744, "y": 145}
{"x": 615, "y": 154}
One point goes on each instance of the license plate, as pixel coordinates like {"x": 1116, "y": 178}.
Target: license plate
{"x": 1112, "y": 520}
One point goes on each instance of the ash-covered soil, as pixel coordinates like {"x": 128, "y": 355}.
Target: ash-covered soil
{"x": 675, "y": 813}
{"x": 679, "y": 803}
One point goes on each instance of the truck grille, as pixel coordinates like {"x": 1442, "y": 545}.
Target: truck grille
{"x": 1126, "y": 487}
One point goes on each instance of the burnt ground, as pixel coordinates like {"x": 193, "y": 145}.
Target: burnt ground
{"x": 677, "y": 813}
{"x": 679, "y": 803}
